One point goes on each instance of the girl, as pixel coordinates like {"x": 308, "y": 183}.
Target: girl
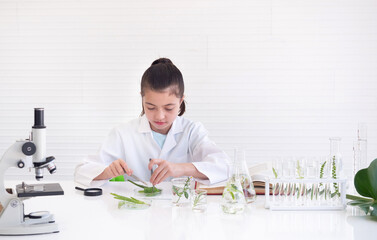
{"x": 178, "y": 146}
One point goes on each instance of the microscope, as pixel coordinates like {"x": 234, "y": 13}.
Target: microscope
{"x": 30, "y": 152}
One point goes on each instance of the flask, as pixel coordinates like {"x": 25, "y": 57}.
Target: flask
{"x": 245, "y": 178}
{"x": 233, "y": 199}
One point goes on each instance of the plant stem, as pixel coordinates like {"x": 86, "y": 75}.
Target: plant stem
{"x": 184, "y": 189}
{"x": 334, "y": 176}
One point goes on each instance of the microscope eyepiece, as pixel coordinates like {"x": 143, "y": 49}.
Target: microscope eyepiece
{"x": 39, "y": 118}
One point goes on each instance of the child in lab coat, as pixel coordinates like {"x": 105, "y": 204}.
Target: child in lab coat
{"x": 160, "y": 137}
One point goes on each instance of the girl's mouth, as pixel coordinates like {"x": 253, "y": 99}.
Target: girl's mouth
{"x": 160, "y": 123}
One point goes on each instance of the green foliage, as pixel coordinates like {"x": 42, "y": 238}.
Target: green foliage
{"x": 147, "y": 191}
{"x": 275, "y": 173}
{"x": 322, "y": 172}
{"x": 299, "y": 170}
{"x": 366, "y": 185}
{"x": 197, "y": 198}
{"x": 233, "y": 189}
{"x": 127, "y": 199}
{"x": 185, "y": 190}
{"x": 333, "y": 174}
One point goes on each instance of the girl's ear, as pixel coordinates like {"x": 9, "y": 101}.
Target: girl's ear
{"x": 183, "y": 98}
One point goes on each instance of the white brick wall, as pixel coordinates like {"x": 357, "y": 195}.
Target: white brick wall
{"x": 278, "y": 77}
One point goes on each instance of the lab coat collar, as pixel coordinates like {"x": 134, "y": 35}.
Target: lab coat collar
{"x": 144, "y": 126}
{"x": 170, "y": 142}
{"x": 170, "y": 138}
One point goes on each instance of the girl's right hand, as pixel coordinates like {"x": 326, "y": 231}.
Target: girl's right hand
{"x": 116, "y": 168}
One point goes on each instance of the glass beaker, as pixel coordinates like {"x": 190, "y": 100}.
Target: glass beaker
{"x": 181, "y": 188}
{"x": 233, "y": 199}
{"x": 199, "y": 200}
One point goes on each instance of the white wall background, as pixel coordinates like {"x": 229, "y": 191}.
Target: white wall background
{"x": 277, "y": 77}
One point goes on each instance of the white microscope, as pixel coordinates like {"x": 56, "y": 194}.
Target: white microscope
{"x": 29, "y": 152}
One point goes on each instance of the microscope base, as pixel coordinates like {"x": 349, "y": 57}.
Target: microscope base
{"x": 25, "y": 229}
{"x": 13, "y": 221}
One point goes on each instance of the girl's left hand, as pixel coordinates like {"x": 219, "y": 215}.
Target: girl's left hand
{"x": 164, "y": 170}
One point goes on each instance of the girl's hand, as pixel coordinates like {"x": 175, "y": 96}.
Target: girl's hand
{"x": 164, "y": 170}
{"x": 116, "y": 168}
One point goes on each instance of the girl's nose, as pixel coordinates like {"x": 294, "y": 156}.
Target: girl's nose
{"x": 160, "y": 115}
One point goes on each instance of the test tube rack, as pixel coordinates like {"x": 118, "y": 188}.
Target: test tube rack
{"x": 305, "y": 194}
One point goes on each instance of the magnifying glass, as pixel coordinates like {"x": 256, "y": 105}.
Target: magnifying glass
{"x": 91, "y": 192}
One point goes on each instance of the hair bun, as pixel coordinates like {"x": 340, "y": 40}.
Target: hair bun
{"x": 162, "y": 60}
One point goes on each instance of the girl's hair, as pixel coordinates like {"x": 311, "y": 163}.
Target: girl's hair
{"x": 163, "y": 74}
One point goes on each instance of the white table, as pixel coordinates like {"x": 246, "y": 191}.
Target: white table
{"x": 81, "y": 217}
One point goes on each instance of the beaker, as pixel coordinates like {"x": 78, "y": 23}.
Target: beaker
{"x": 181, "y": 189}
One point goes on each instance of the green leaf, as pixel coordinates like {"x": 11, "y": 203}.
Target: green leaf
{"x": 232, "y": 194}
{"x": 142, "y": 186}
{"x": 372, "y": 175}
{"x": 186, "y": 195}
{"x": 362, "y": 199}
{"x": 275, "y": 173}
{"x": 175, "y": 189}
{"x": 363, "y": 185}
{"x": 359, "y": 203}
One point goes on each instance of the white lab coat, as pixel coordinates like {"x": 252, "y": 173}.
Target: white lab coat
{"x": 186, "y": 141}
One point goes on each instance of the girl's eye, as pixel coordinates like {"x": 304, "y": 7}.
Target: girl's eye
{"x": 169, "y": 109}
{"x": 150, "y": 109}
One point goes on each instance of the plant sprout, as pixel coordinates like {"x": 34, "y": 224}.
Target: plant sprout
{"x": 184, "y": 191}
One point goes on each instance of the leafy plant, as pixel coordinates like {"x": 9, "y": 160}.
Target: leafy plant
{"x": 275, "y": 173}
{"x": 147, "y": 191}
{"x": 130, "y": 200}
{"x": 197, "y": 198}
{"x": 333, "y": 174}
{"x": 322, "y": 170}
{"x": 366, "y": 185}
{"x": 232, "y": 190}
{"x": 299, "y": 170}
{"x": 185, "y": 190}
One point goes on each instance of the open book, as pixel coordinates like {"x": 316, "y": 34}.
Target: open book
{"x": 257, "y": 176}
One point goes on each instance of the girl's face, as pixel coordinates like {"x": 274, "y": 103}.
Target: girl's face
{"x": 161, "y": 109}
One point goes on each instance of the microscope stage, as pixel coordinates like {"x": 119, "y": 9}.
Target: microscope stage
{"x": 35, "y": 190}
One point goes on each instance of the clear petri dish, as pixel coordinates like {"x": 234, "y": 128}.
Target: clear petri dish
{"x": 135, "y": 206}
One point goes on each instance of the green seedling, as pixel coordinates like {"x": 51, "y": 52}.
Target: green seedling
{"x": 129, "y": 200}
{"x": 184, "y": 191}
{"x": 147, "y": 191}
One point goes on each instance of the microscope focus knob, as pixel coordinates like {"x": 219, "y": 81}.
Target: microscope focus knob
{"x": 29, "y": 148}
{"x": 21, "y": 164}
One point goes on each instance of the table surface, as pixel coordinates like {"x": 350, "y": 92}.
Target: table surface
{"x": 79, "y": 216}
